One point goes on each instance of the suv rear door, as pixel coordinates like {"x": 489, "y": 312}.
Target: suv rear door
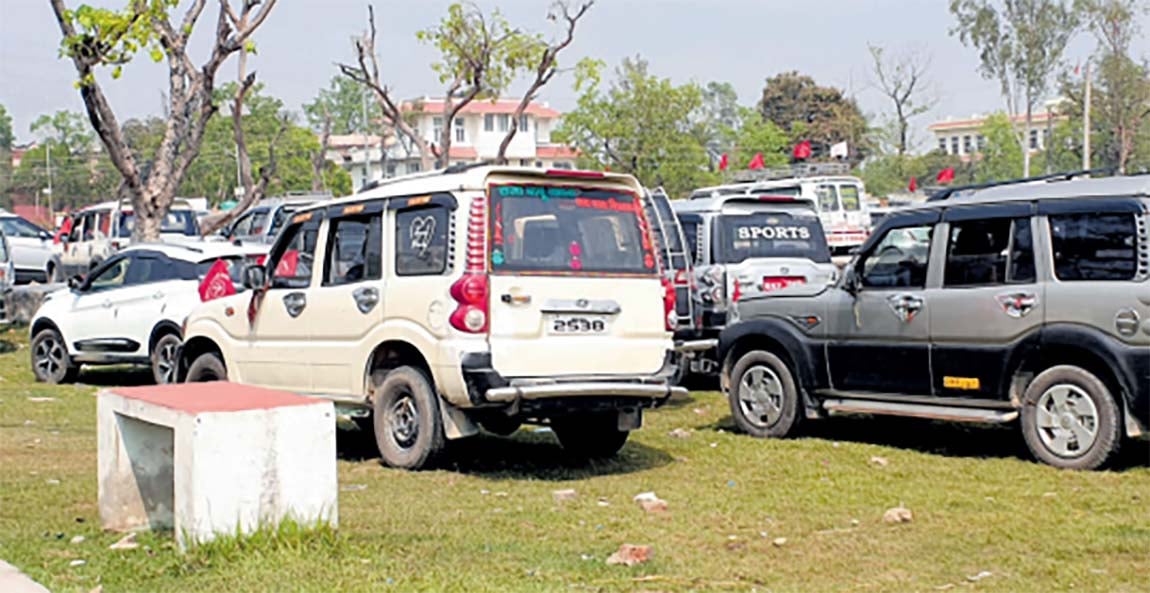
{"x": 772, "y": 250}
{"x": 574, "y": 284}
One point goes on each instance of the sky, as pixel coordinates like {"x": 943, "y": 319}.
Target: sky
{"x": 739, "y": 41}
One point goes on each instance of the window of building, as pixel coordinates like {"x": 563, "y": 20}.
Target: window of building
{"x": 504, "y": 122}
{"x": 489, "y": 123}
{"x": 354, "y": 248}
{"x": 523, "y": 123}
{"x": 391, "y": 169}
{"x": 460, "y": 129}
{"x": 1094, "y": 246}
{"x": 967, "y": 147}
{"x": 981, "y": 142}
{"x": 421, "y": 241}
{"x": 414, "y": 167}
{"x": 942, "y": 144}
{"x": 436, "y": 128}
{"x": 524, "y": 162}
{"x": 899, "y": 260}
{"x": 564, "y": 165}
{"x": 1033, "y": 139}
{"x": 987, "y": 252}
{"x": 954, "y": 145}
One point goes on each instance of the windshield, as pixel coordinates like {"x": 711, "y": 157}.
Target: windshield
{"x": 748, "y": 236}
{"x": 540, "y": 228}
{"x": 18, "y": 227}
{"x": 849, "y": 195}
{"x": 177, "y": 221}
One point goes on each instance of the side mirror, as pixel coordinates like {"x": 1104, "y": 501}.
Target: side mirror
{"x": 76, "y": 282}
{"x": 45, "y": 236}
{"x": 255, "y": 277}
{"x": 851, "y": 282}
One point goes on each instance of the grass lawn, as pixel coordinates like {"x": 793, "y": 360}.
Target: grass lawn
{"x": 487, "y": 520}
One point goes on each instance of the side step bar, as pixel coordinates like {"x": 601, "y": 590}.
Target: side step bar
{"x": 949, "y": 413}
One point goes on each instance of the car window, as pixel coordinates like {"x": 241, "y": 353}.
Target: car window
{"x": 849, "y": 194}
{"x": 112, "y": 275}
{"x": 3, "y": 246}
{"x": 243, "y": 226}
{"x": 292, "y": 260}
{"x": 828, "y": 198}
{"x": 259, "y": 222}
{"x": 899, "y": 259}
{"x": 18, "y": 227}
{"x": 421, "y": 241}
{"x": 747, "y": 236}
{"x": 80, "y": 228}
{"x": 148, "y": 269}
{"x": 181, "y": 222}
{"x": 354, "y": 248}
{"x": 988, "y": 252}
{"x": 691, "y": 236}
{"x": 281, "y": 215}
{"x": 1094, "y": 246}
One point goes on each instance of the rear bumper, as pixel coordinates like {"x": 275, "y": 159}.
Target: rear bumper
{"x": 534, "y": 391}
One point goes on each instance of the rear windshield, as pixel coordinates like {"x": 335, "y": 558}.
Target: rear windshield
{"x": 748, "y": 236}
{"x": 849, "y": 195}
{"x": 553, "y": 229}
{"x": 182, "y": 222}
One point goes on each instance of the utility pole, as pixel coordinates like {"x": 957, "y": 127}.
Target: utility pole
{"x": 1086, "y": 123}
{"x": 48, "y": 161}
{"x": 366, "y": 156}
{"x": 1049, "y": 140}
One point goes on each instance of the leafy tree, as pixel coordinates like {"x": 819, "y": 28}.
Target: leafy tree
{"x": 1020, "y": 44}
{"x": 79, "y": 173}
{"x": 757, "y": 135}
{"x": 1002, "y": 157}
{"x": 341, "y": 105}
{"x": 640, "y": 125}
{"x": 891, "y": 173}
{"x": 65, "y": 129}
{"x": 6, "y": 136}
{"x": 807, "y": 111}
{"x": 900, "y": 78}
{"x": 719, "y": 118}
{"x": 96, "y": 38}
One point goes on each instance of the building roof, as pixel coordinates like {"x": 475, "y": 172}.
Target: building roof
{"x": 337, "y": 141}
{"x": 557, "y": 151}
{"x": 463, "y": 152}
{"x": 434, "y": 106}
{"x": 961, "y": 124}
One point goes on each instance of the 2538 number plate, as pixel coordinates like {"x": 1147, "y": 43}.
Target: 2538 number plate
{"x": 581, "y": 325}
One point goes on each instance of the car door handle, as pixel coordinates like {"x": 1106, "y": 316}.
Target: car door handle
{"x": 366, "y": 298}
{"x": 905, "y": 306}
{"x": 158, "y": 295}
{"x": 107, "y": 304}
{"x": 1017, "y": 304}
{"x": 515, "y": 299}
{"x": 295, "y": 302}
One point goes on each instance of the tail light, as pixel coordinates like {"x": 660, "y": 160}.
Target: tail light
{"x": 116, "y": 245}
{"x": 669, "y": 316}
{"x": 471, "y": 291}
{"x": 736, "y": 292}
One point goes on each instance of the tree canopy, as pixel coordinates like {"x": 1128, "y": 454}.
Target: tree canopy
{"x": 805, "y": 110}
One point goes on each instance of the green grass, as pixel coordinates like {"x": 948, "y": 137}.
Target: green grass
{"x": 487, "y": 521}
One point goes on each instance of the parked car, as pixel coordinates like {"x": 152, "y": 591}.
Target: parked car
{"x": 129, "y": 309}
{"x": 748, "y": 245}
{"x": 7, "y": 276}
{"x": 30, "y": 245}
{"x": 1026, "y": 302}
{"x": 438, "y": 302}
{"x": 95, "y": 233}
{"x": 838, "y": 198}
{"x": 262, "y": 222}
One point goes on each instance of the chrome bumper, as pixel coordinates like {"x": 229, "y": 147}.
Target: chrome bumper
{"x": 589, "y": 389}
{"x": 696, "y": 345}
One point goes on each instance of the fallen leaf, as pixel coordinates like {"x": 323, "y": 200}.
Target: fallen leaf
{"x": 779, "y": 542}
{"x": 978, "y": 577}
{"x": 564, "y": 495}
{"x": 898, "y": 514}
{"x": 879, "y": 461}
{"x": 128, "y": 542}
{"x": 631, "y": 555}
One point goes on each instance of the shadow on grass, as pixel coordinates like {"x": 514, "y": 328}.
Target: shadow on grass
{"x": 949, "y": 439}
{"x": 527, "y": 455}
{"x": 7, "y": 347}
{"x": 116, "y": 376}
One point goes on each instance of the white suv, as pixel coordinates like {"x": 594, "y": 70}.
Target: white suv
{"x": 478, "y": 296}
{"x": 128, "y": 310}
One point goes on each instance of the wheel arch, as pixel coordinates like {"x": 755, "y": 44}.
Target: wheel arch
{"x": 1086, "y": 349}
{"x": 391, "y": 354}
{"x": 192, "y": 349}
{"x": 770, "y": 335}
{"x": 161, "y": 329}
{"x": 42, "y": 324}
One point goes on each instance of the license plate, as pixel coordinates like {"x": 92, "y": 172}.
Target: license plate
{"x": 581, "y": 325}
{"x": 770, "y": 284}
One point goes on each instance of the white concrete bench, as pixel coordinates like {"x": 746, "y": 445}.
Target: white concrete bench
{"x": 208, "y": 459}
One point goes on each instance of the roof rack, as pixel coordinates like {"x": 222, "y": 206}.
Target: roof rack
{"x": 797, "y": 170}
{"x": 950, "y": 192}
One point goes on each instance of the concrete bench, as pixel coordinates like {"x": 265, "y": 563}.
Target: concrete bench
{"x": 209, "y": 459}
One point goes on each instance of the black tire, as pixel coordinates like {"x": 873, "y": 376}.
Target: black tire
{"x": 1049, "y": 427}
{"x": 405, "y": 409}
{"x": 500, "y": 424}
{"x": 590, "y": 436}
{"x": 50, "y": 360}
{"x": 52, "y": 274}
{"x": 165, "y": 364}
{"x": 773, "y": 410}
{"x": 205, "y": 368}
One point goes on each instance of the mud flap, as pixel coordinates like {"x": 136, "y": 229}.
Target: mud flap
{"x": 630, "y": 419}
{"x": 456, "y": 423}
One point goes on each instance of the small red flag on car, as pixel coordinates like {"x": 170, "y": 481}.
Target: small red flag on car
{"x": 757, "y": 162}
{"x": 946, "y": 175}
{"x": 913, "y": 186}
{"x": 64, "y": 229}
{"x": 803, "y": 150}
{"x": 217, "y": 283}
{"x": 723, "y": 162}
{"x": 286, "y": 267}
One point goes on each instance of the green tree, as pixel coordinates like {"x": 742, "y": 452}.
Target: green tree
{"x": 6, "y": 141}
{"x": 65, "y": 129}
{"x": 76, "y": 170}
{"x": 6, "y": 136}
{"x": 807, "y": 111}
{"x": 640, "y": 125}
{"x": 339, "y": 106}
{"x": 719, "y": 118}
{"x": 757, "y": 135}
{"x": 1002, "y": 157}
{"x": 96, "y": 38}
{"x": 1020, "y": 44}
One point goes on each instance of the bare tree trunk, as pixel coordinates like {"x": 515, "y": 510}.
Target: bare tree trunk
{"x": 1026, "y": 142}
{"x": 319, "y": 159}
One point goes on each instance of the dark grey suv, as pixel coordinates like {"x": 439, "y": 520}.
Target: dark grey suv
{"x": 1027, "y": 302}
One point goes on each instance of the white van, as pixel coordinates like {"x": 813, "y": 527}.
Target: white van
{"x": 436, "y": 303}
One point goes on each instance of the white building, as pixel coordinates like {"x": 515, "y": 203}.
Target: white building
{"x": 963, "y": 137}
{"x": 477, "y": 132}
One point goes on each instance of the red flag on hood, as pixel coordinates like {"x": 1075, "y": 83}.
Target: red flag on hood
{"x": 757, "y": 162}
{"x": 913, "y": 186}
{"x": 217, "y": 283}
{"x": 803, "y": 150}
{"x": 723, "y": 162}
{"x": 946, "y": 175}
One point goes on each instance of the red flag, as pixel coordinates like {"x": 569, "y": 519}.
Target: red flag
{"x": 287, "y": 265}
{"x": 217, "y": 283}
{"x": 64, "y": 229}
{"x": 913, "y": 185}
{"x": 723, "y": 162}
{"x": 803, "y": 150}
{"x": 946, "y": 175}
{"x": 757, "y": 162}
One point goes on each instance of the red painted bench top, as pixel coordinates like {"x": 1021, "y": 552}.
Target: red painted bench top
{"x": 212, "y": 397}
